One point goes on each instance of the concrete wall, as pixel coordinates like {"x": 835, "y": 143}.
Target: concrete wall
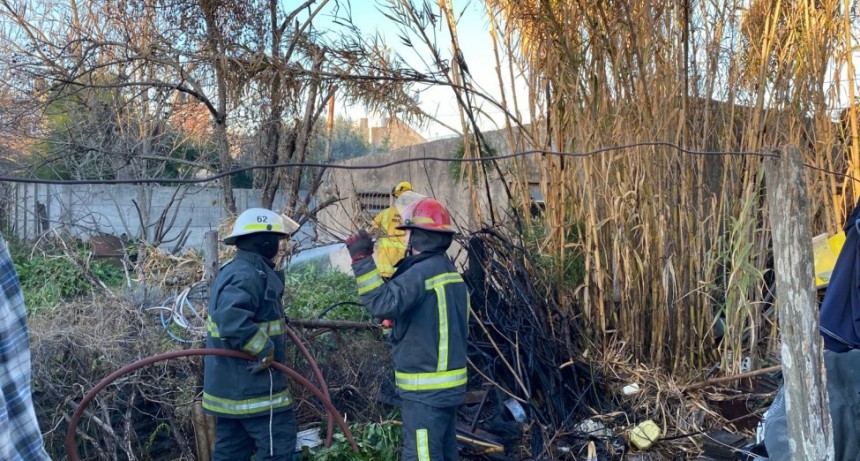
{"x": 428, "y": 177}
{"x": 88, "y": 210}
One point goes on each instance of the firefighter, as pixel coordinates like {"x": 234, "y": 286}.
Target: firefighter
{"x": 391, "y": 246}
{"x": 250, "y": 400}
{"x": 428, "y": 301}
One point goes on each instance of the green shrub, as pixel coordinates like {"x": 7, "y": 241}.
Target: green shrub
{"x": 376, "y": 442}
{"x": 569, "y": 270}
{"x": 48, "y": 279}
{"x": 310, "y": 290}
{"x": 456, "y": 168}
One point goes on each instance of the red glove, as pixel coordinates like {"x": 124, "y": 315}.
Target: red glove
{"x": 360, "y": 245}
{"x": 387, "y": 323}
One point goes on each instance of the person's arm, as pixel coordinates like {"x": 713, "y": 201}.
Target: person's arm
{"x": 234, "y": 316}
{"x": 392, "y": 299}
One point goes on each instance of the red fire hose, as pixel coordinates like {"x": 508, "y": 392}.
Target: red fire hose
{"x": 320, "y": 379}
{"x": 72, "y": 449}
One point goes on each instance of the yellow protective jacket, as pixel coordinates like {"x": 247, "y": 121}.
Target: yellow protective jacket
{"x": 391, "y": 247}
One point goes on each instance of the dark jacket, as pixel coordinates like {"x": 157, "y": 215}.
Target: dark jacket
{"x": 429, "y": 304}
{"x": 840, "y": 309}
{"x": 246, "y": 314}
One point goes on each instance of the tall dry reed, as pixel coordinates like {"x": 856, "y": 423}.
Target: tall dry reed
{"x": 676, "y": 245}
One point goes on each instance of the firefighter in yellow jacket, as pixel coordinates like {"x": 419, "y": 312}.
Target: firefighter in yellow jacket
{"x": 391, "y": 246}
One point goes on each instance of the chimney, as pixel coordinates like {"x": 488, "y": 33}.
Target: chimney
{"x": 363, "y": 129}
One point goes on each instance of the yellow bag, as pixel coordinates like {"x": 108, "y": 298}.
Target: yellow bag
{"x": 825, "y": 251}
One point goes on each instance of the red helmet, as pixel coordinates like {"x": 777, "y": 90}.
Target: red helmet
{"x": 427, "y": 214}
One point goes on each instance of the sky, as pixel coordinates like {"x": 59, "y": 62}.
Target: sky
{"x": 440, "y": 102}
{"x": 477, "y": 47}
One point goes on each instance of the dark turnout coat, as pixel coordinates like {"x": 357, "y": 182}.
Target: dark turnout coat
{"x": 245, "y": 314}
{"x": 428, "y": 301}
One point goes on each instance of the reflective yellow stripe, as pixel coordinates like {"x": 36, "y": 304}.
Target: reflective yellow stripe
{"x": 212, "y": 329}
{"x": 266, "y": 226}
{"x": 437, "y": 284}
{"x": 257, "y": 343}
{"x": 430, "y": 381}
{"x": 422, "y": 220}
{"x": 442, "y": 307}
{"x": 368, "y": 281}
{"x": 422, "y": 445}
{"x": 273, "y": 328}
{"x": 442, "y": 279}
{"x": 247, "y": 406}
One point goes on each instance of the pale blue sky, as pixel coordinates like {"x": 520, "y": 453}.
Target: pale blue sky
{"x": 475, "y": 42}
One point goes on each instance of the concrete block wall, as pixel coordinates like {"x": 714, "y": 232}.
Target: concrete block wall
{"x": 87, "y": 210}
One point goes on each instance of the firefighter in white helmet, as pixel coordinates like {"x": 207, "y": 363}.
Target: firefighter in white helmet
{"x": 252, "y": 403}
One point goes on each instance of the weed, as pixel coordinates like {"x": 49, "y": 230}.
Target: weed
{"x": 47, "y": 279}
{"x": 310, "y": 290}
{"x": 456, "y": 168}
{"x": 376, "y": 442}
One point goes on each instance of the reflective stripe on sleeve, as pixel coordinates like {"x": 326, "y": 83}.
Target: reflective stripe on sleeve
{"x": 257, "y": 343}
{"x": 368, "y": 281}
{"x": 273, "y": 328}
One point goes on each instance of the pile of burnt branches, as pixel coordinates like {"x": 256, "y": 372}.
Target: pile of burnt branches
{"x": 520, "y": 347}
{"x": 548, "y": 389}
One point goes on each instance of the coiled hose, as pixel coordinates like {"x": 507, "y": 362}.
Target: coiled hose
{"x": 71, "y": 446}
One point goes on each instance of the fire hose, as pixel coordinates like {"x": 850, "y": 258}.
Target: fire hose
{"x": 72, "y": 449}
{"x": 320, "y": 380}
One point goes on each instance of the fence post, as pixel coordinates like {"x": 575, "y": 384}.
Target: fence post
{"x": 204, "y": 424}
{"x": 210, "y": 255}
{"x": 810, "y": 430}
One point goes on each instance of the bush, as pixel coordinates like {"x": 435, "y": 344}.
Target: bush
{"x": 376, "y": 442}
{"x": 456, "y": 168}
{"x": 569, "y": 270}
{"x": 310, "y": 290}
{"x": 47, "y": 279}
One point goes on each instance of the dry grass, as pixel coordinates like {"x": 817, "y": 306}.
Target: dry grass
{"x": 673, "y": 242}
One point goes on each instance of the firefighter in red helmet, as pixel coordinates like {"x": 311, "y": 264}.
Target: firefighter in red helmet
{"x": 428, "y": 301}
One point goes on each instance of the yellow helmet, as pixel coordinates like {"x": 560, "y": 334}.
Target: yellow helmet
{"x": 401, "y": 188}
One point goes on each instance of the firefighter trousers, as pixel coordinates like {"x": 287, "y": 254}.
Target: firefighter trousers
{"x": 429, "y": 433}
{"x": 272, "y": 439}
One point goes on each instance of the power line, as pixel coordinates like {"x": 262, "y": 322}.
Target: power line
{"x": 525, "y": 153}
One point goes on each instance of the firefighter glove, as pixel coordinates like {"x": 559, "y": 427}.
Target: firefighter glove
{"x": 360, "y": 246}
{"x": 264, "y": 361}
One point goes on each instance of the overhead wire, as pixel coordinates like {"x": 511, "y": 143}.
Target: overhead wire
{"x": 773, "y": 153}
{"x": 341, "y": 166}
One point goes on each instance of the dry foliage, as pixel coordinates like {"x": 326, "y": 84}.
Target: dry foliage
{"x": 675, "y": 242}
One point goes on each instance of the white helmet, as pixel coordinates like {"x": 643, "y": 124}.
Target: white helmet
{"x": 257, "y": 220}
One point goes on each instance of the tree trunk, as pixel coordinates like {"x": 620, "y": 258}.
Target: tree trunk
{"x": 809, "y": 426}
{"x": 219, "y": 64}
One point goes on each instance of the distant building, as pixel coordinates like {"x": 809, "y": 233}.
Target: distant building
{"x": 392, "y": 133}
{"x": 191, "y": 118}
